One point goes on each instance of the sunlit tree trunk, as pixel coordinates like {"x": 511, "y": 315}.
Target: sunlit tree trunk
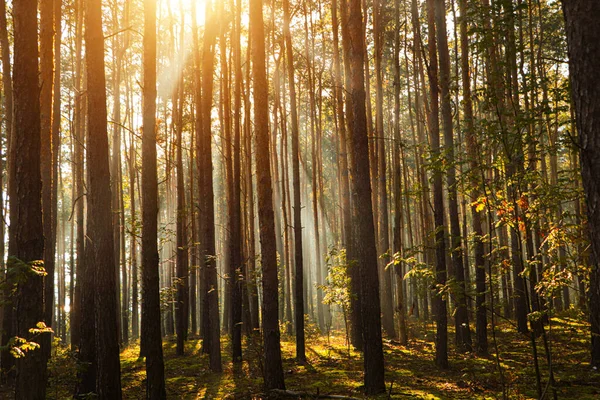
{"x": 356, "y": 336}
{"x": 297, "y": 207}
{"x": 379, "y": 142}
{"x": 273, "y": 370}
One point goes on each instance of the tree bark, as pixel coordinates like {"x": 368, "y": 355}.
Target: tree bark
{"x": 273, "y": 370}
{"x": 26, "y": 238}
{"x": 583, "y": 39}
{"x": 151, "y": 336}
{"x": 364, "y": 229}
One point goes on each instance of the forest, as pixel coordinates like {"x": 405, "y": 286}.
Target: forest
{"x": 300, "y": 199}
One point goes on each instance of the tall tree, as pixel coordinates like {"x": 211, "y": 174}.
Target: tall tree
{"x": 364, "y": 229}
{"x": 583, "y": 38}
{"x": 46, "y": 77}
{"x": 99, "y": 226}
{"x": 441, "y": 315}
{"x": 461, "y": 316}
{"x": 382, "y": 215}
{"x": 26, "y": 237}
{"x": 210, "y": 319}
{"x": 473, "y": 154}
{"x": 297, "y": 207}
{"x": 235, "y": 221}
{"x": 273, "y": 369}
{"x": 151, "y": 336}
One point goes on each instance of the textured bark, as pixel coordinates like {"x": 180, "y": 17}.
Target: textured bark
{"x": 151, "y": 337}
{"x": 26, "y": 238}
{"x": 99, "y": 227}
{"x": 583, "y": 38}
{"x": 439, "y": 303}
{"x": 273, "y": 370}
{"x": 364, "y": 229}
{"x": 356, "y": 336}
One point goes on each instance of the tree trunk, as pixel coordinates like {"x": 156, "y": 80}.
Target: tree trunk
{"x": 99, "y": 226}
{"x": 364, "y": 230}
{"x": 473, "y": 154}
{"x": 26, "y": 238}
{"x": 46, "y": 79}
{"x": 151, "y": 336}
{"x": 441, "y": 316}
{"x": 583, "y": 39}
{"x": 297, "y": 207}
{"x": 382, "y": 216}
{"x": 461, "y": 316}
{"x": 273, "y": 370}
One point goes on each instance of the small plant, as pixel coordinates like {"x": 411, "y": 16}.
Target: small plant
{"x": 336, "y": 290}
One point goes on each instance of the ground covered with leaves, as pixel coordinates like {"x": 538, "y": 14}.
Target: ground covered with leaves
{"x": 333, "y": 369}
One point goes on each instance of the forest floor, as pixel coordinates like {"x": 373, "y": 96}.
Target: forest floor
{"x": 332, "y": 369}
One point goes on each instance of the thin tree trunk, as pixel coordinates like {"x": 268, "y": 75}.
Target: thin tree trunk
{"x": 461, "y": 316}
{"x": 441, "y": 316}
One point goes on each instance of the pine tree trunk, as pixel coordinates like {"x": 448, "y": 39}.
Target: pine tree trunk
{"x": 99, "y": 226}
{"x": 26, "y": 238}
{"x": 297, "y": 207}
{"x": 151, "y": 337}
{"x": 441, "y": 316}
{"x": 583, "y": 39}
{"x": 273, "y": 370}
{"x": 364, "y": 230}
{"x": 461, "y": 316}
{"x": 473, "y": 154}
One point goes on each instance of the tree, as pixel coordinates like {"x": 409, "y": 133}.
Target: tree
{"x": 46, "y": 77}
{"x": 583, "y": 38}
{"x": 151, "y": 336}
{"x": 273, "y": 369}
{"x": 210, "y": 318}
{"x": 364, "y": 229}
{"x": 461, "y": 316}
{"x": 99, "y": 226}
{"x": 441, "y": 315}
{"x": 473, "y": 153}
{"x": 26, "y": 238}
{"x": 297, "y": 207}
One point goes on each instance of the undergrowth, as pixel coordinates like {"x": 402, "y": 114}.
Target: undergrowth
{"x": 332, "y": 369}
